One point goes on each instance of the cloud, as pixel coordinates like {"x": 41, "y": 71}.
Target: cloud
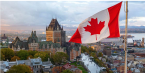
{"x": 134, "y": 21}
{"x": 28, "y": 15}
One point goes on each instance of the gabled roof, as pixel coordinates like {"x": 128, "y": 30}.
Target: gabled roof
{"x": 53, "y": 25}
{"x": 33, "y": 37}
{"x": 66, "y": 66}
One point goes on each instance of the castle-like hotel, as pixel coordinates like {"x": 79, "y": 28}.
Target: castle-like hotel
{"x": 55, "y": 42}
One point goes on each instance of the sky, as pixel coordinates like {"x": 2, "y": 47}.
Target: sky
{"x": 25, "y": 16}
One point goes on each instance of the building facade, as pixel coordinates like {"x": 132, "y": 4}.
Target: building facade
{"x": 55, "y": 42}
{"x": 33, "y": 42}
{"x": 55, "y": 33}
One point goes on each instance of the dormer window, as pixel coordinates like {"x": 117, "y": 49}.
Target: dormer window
{"x": 57, "y": 28}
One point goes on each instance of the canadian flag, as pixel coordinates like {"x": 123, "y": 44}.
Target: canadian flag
{"x": 104, "y": 24}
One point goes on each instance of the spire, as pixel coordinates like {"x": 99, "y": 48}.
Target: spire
{"x": 46, "y": 27}
{"x": 32, "y": 33}
{"x": 62, "y": 27}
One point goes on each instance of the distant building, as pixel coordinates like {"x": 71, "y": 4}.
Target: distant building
{"x": 33, "y": 41}
{"x": 4, "y": 38}
{"x": 142, "y": 43}
{"x": 137, "y": 42}
{"x": 73, "y": 50}
{"x": 36, "y": 65}
{"x": 4, "y": 41}
{"x": 71, "y": 68}
{"x": 55, "y": 42}
{"x": 55, "y": 33}
{"x": 18, "y": 45}
{"x": 107, "y": 52}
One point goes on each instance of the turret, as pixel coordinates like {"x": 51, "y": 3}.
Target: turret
{"x": 62, "y": 27}
{"x": 32, "y": 33}
{"x": 46, "y": 28}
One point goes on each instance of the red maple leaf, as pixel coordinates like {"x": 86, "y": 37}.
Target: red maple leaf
{"x": 95, "y": 28}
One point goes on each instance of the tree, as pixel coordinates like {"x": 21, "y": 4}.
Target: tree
{"x": 100, "y": 54}
{"x": 115, "y": 52}
{"x": 23, "y": 54}
{"x": 44, "y": 56}
{"x": 16, "y": 53}
{"x": 1, "y": 57}
{"x": 1, "y": 43}
{"x": 21, "y": 68}
{"x": 83, "y": 49}
{"x": 93, "y": 54}
{"x": 60, "y": 57}
{"x": 8, "y": 53}
{"x": 66, "y": 71}
{"x": 30, "y": 56}
{"x": 32, "y": 52}
{"x": 14, "y": 58}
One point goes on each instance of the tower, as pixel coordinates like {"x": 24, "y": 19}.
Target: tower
{"x": 55, "y": 33}
{"x": 142, "y": 42}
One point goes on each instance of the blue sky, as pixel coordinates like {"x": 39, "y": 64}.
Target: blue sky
{"x": 24, "y": 16}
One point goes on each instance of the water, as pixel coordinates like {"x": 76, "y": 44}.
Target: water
{"x": 93, "y": 67}
{"x": 137, "y": 36}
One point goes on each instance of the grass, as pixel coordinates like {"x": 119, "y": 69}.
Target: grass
{"x": 75, "y": 63}
{"x": 83, "y": 70}
{"x": 80, "y": 67}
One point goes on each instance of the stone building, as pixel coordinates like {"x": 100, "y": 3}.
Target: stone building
{"x": 55, "y": 33}
{"x": 52, "y": 47}
{"x": 55, "y": 42}
{"x": 4, "y": 41}
{"x": 107, "y": 52}
{"x": 33, "y": 41}
{"x": 18, "y": 45}
{"x": 73, "y": 50}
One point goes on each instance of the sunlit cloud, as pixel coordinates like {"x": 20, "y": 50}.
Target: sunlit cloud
{"x": 33, "y": 15}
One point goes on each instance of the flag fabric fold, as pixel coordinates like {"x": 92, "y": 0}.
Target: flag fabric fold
{"x": 104, "y": 24}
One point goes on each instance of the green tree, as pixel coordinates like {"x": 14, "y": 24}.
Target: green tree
{"x": 16, "y": 53}
{"x": 30, "y": 56}
{"x": 100, "y": 54}
{"x": 91, "y": 49}
{"x": 1, "y": 43}
{"x": 1, "y": 57}
{"x": 23, "y": 54}
{"x": 93, "y": 54}
{"x": 14, "y": 58}
{"x": 21, "y": 68}
{"x": 32, "y": 52}
{"x": 60, "y": 57}
{"x": 44, "y": 56}
{"x": 66, "y": 71}
{"x": 8, "y": 53}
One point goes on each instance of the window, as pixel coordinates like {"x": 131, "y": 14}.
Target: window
{"x": 43, "y": 46}
{"x": 57, "y": 28}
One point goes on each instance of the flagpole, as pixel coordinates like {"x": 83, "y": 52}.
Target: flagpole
{"x": 125, "y": 49}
